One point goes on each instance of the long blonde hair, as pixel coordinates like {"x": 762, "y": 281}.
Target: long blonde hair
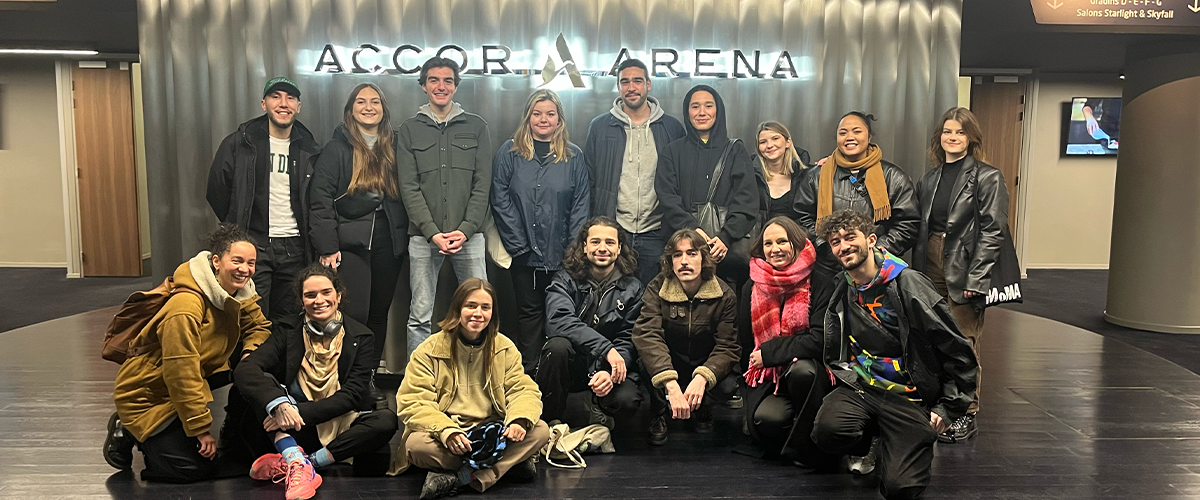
{"x": 789, "y": 158}
{"x": 374, "y": 168}
{"x": 560, "y": 140}
{"x": 970, "y": 125}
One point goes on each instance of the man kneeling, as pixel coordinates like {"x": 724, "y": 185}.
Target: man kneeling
{"x": 308, "y": 384}
{"x": 687, "y": 327}
{"x": 592, "y": 304}
{"x": 902, "y": 366}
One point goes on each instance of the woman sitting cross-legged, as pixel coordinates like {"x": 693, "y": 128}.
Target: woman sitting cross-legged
{"x": 786, "y": 389}
{"x": 467, "y": 380}
{"x": 309, "y": 383}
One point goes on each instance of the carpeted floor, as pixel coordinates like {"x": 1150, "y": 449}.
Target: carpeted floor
{"x": 1077, "y": 297}
{"x": 34, "y": 295}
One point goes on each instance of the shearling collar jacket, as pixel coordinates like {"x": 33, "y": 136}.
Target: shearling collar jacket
{"x": 675, "y": 331}
{"x": 977, "y": 216}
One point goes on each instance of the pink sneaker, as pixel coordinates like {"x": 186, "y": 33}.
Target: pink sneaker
{"x": 302, "y": 481}
{"x": 269, "y": 467}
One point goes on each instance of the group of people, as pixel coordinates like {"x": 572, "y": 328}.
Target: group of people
{"x": 643, "y": 266}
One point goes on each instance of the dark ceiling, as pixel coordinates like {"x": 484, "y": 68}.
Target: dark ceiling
{"x": 999, "y": 34}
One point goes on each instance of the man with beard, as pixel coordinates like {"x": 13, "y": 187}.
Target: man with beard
{"x": 686, "y": 329}
{"x": 591, "y": 306}
{"x": 903, "y": 371}
{"x": 259, "y": 181}
{"x": 622, "y": 151}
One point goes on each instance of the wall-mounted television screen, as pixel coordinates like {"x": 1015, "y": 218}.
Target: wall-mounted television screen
{"x": 1092, "y": 126}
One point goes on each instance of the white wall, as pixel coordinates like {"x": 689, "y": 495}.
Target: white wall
{"x": 31, "y": 195}
{"x": 1069, "y": 202}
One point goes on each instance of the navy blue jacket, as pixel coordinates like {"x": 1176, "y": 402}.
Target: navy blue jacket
{"x": 604, "y": 151}
{"x": 538, "y": 207}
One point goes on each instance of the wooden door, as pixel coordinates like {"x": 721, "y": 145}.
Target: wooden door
{"x": 108, "y": 218}
{"x": 1000, "y": 108}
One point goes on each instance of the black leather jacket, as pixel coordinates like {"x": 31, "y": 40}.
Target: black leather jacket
{"x": 611, "y": 327}
{"x": 937, "y": 356}
{"x": 978, "y": 214}
{"x": 897, "y": 233}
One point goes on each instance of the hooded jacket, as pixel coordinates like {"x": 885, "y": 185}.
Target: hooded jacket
{"x": 604, "y": 151}
{"x": 685, "y": 171}
{"x": 539, "y": 204}
{"x": 975, "y": 223}
{"x": 332, "y": 231}
{"x": 239, "y": 183}
{"x": 195, "y": 339}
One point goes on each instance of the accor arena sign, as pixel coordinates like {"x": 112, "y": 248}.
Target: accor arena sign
{"x": 496, "y": 59}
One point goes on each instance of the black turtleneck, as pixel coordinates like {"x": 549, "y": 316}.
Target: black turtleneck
{"x": 541, "y": 149}
{"x": 939, "y": 213}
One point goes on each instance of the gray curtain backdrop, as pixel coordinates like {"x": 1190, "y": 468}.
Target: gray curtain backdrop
{"x": 205, "y": 62}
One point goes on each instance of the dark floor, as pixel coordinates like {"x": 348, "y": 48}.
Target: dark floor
{"x": 1067, "y": 414}
{"x": 1077, "y": 297}
{"x": 34, "y": 295}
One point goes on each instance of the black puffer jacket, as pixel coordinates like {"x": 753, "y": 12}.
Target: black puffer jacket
{"x": 269, "y": 373}
{"x": 331, "y": 231}
{"x": 685, "y": 169}
{"x": 238, "y": 180}
{"x": 978, "y": 214}
{"x": 897, "y": 234}
{"x": 611, "y": 327}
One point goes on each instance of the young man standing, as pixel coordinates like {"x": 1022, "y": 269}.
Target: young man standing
{"x": 445, "y": 167}
{"x": 687, "y": 328}
{"x": 259, "y": 181}
{"x": 622, "y": 155}
{"x": 902, "y": 367}
{"x": 591, "y": 306}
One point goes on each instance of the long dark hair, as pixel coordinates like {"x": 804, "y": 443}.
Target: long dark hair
{"x": 795, "y": 234}
{"x": 374, "y": 168}
{"x": 575, "y": 260}
{"x": 708, "y": 265}
{"x": 452, "y": 325}
{"x": 970, "y": 124}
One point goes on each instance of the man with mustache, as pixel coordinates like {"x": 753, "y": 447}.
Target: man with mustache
{"x": 687, "y": 326}
{"x": 445, "y": 167}
{"x": 903, "y": 370}
{"x": 591, "y": 306}
{"x": 622, "y": 151}
{"x": 259, "y": 181}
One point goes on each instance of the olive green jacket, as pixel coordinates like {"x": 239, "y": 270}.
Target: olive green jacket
{"x": 445, "y": 172}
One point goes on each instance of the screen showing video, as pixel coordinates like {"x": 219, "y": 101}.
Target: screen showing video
{"x": 1094, "y": 126}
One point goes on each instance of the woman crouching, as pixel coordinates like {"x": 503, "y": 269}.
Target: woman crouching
{"x": 470, "y": 412}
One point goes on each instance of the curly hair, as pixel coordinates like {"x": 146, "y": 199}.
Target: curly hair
{"x": 845, "y": 220}
{"x": 575, "y": 260}
{"x": 224, "y": 236}
{"x": 316, "y": 269}
{"x": 708, "y": 265}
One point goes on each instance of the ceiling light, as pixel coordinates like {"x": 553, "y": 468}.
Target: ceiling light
{"x": 53, "y": 52}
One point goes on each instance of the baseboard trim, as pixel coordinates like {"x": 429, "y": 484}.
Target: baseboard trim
{"x": 34, "y": 264}
{"x": 1067, "y": 266}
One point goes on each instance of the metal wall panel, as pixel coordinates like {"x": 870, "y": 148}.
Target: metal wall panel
{"x": 205, "y": 61}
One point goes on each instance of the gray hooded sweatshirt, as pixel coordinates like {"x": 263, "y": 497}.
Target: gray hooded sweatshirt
{"x": 637, "y": 201}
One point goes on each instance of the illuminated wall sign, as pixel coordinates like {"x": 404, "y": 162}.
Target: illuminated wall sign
{"x": 496, "y": 59}
{"x": 1118, "y": 12}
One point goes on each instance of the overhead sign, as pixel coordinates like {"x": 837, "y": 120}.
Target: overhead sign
{"x": 1118, "y": 12}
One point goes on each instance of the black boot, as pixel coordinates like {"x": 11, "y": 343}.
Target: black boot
{"x": 658, "y": 431}
{"x": 118, "y": 445}
{"x": 439, "y": 485}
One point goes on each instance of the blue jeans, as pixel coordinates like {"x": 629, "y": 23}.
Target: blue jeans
{"x": 649, "y": 246}
{"x": 424, "y": 264}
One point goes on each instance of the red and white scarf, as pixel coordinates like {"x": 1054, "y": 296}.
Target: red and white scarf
{"x": 778, "y": 306}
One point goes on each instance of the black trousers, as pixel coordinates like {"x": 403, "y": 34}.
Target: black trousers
{"x": 366, "y": 440}
{"x": 173, "y": 457}
{"x": 783, "y": 422}
{"x": 906, "y": 439}
{"x": 370, "y": 277}
{"x": 563, "y": 370}
{"x": 724, "y": 390}
{"x": 529, "y": 285}
{"x": 279, "y": 262}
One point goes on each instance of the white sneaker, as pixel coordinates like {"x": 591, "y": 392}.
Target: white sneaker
{"x": 866, "y": 464}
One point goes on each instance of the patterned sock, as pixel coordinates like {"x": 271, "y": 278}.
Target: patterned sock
{"x": 321, "y": 458}
{"x": 289, "y": 449}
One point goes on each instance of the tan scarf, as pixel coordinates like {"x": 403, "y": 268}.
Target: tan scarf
{"x": 318, "y": 379}
{"x": 876, "y": 185}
